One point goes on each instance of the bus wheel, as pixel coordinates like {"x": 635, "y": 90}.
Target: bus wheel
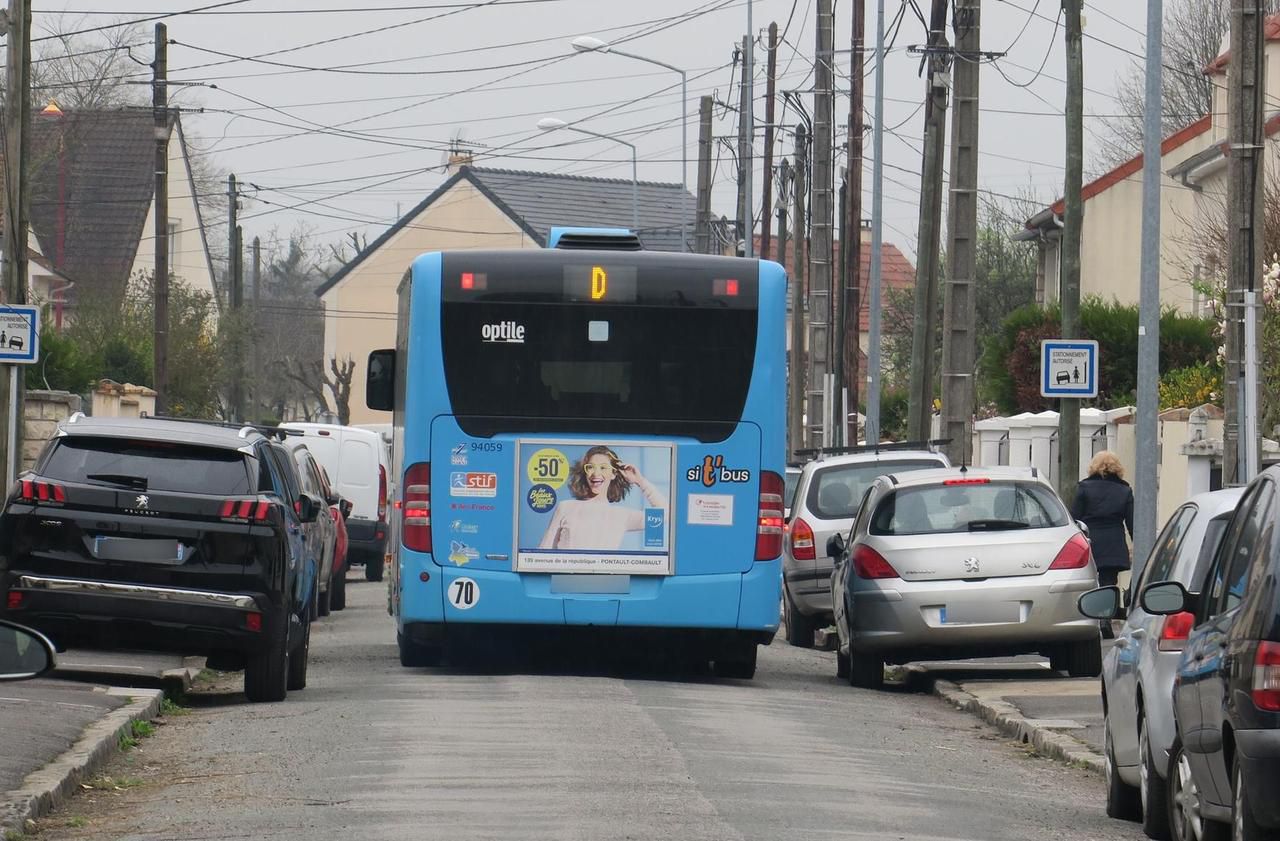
{"x": 742, "y": 665}
{"x": 416, "y": 655}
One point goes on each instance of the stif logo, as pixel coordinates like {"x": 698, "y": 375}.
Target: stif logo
{"x": 473, "y": 484}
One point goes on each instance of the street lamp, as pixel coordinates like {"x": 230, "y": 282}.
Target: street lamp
{"x": 589, "y": 44}
{"x": 553, "y": 124}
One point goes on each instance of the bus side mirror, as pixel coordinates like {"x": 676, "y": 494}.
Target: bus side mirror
{"x": 380, "y": 380}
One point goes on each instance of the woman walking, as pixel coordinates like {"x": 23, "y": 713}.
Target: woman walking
{"x": 1104, "y": 503}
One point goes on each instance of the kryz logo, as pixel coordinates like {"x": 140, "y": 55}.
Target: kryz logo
{"x": 510, "y": 332}
{"x": 473, "y": 484}
{"x": 712, "y": 470}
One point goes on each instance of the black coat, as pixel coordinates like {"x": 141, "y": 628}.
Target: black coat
{"x": 1105, "y": 505}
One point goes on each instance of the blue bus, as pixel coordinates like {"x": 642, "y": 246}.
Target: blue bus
{"x": 588, "y": 435}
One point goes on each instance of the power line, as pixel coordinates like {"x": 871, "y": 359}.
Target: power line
{"x": 134, "y": 21}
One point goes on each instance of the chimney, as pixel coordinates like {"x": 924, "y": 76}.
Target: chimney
{"x": 459, "y": 156}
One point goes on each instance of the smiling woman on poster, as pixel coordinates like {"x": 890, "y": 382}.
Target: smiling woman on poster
{"x": 593, "y": 519}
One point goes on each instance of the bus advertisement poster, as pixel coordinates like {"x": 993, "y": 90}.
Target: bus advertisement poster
{"x": 594, "y": 507}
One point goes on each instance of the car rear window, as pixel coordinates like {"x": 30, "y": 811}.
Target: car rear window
{"x": 990, "y": 506}
{"x": 836, "y": 491}
{"x": 789, "y": 490}
{"x": 1213, "y": 531}
{"x": 149, "y": 465}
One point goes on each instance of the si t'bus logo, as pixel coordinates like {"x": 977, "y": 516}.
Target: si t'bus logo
{"x": 712, "y": 470}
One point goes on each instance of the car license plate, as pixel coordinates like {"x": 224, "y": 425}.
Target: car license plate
{"x": 141, "y": 550}
{"x": 981, "y": 614}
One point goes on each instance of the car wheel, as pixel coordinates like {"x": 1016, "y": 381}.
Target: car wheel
{"x": 742, "y": 667}
{"x": 324, "y": 603}
{"x": 1185, "y": 821}
{"x": 866, "y": 671}
{"x": 373, "y": 568}
{"x": 1152, "y": 789}
{"x": 1122, "y": 798}
{"x": 298, "y": 660}
{"x": 415, "y": 655}
{"x": 1084, "y": 659}
{"x": 338, "y": 591}
{"x": 1243, "y": 825}
{"x": 800, "y": 628}
{"x": 842, "y": 664}
{"x": 266, "y": 672}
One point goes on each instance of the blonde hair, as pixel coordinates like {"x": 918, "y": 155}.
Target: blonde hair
{"x": 1105, "y": 463}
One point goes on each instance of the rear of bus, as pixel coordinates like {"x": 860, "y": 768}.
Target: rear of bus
{"x": 592, "y": 438}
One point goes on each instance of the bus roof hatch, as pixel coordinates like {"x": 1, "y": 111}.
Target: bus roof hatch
{"x": 595, "y": 239}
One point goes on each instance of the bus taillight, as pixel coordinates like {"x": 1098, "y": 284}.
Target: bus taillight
{"x": 416, "y": 522}
{"x": 770, "y": 521}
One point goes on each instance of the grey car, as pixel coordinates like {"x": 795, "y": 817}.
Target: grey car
{"x": 827, "y": 494}
{"x": 951, "y": 564}
{"x": 1138, "y": 672}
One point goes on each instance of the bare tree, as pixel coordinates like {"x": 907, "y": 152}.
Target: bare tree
{"x": 80, "y": 72}
{"x": 1194, "y": 35}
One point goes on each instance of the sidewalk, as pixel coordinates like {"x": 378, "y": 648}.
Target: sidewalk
{"x": 60, "y": 729}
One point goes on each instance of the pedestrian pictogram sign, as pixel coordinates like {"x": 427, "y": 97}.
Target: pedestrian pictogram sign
{"x": 19, "y": 334}
{"x": 1069, "y": 368}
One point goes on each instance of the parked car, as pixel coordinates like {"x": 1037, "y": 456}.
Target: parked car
{"x": 339, "y": 512}
{"x": 792, "y": 481}
{"x": 323, "y": 539}
{"x": 166, "y": 535}
{"x": 826, "y": 499}
{"x": 957, "y": 563}
{"x": 24, "y": 653}
{"x": 1139, "y": 669}
{"x": 1224, "y": 770}
{"x": 359, "y": 463}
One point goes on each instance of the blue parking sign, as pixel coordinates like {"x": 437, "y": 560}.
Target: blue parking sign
{"x": 19, "y": 334}
{"x": 1069, "y": 368}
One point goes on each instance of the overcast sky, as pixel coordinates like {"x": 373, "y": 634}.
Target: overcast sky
{"x": 349, "y": 105}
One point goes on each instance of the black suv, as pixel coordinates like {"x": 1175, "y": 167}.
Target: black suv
{"x": 166, "y": 535}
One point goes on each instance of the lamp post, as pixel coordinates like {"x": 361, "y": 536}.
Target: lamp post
{"x": 553, "y": 124}
{"x": 588, "y": 44}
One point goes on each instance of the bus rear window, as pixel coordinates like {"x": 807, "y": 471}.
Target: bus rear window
{"x": 532, "y": 358}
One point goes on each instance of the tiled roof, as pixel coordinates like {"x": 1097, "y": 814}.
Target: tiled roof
{"x": 101, "y": 165}
{"x": 896, "y": 271}
{"x": 544, "y": 200}
{"x": 1270, "y": 32}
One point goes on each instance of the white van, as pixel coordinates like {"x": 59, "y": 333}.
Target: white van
{"x": 358, "y": 463}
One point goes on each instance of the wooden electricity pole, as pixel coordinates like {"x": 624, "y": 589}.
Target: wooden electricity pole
{"x": 702, "y": 227}
{"x": 850, "y": 326}
{"x": 17, "y": 124}
{"x": 770, "y": 84}
{"x": 1073, "y": 221}
{"x": 799, "y": 333}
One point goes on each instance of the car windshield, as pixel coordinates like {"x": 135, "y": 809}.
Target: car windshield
{"x": 984, "y": 506}
{"x": 148, "y": 466}
{"x": 836, "y": 491}
{"x": 789, "y": 492}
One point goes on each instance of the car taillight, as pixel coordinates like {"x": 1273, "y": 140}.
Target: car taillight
{"x": 770, "y": 518}
{"x": 802, "y": 541}
{"x": 870, "y": 564}
{"x": 253, "y": 622}
{"x": 382, "y": 493}
{"x": 1074, "y": 554}
{"x": 245, "y": 509}
{"x": 1177, "y": 627}
{"x": 34, "y": 491}
{"x": 14, "y": 601}
{"x": 1266, "y": 677}
{"x": 416, "y": 525}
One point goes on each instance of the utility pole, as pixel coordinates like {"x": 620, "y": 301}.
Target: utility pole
{"x": 160, "y": 110}
{"x": 744, "y": 156}
{"x": 702, "y": 231}
{"x": 958, "y": 310}
{"x": 1073, "y": 223}
{"x": 235, "y": 297}
{"x": 850, "y": 326}
{"x": 1148, "y": 428}
{"x": 820, "y": 256}
{"x": 1244, "y": 242}
{"x": 768, "y": 141}
{"x": 839, "y": 295}
{"x": 877, "y": 234}
{"x": 796, "y": 381}
{"x": 17, "y": 124}
{"x": 256, "y": 403}
{"x": 748, "y": 116}
{"x": 929, "y": 250}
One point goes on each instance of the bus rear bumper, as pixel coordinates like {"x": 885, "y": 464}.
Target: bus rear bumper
{"x": 743, "y": 601}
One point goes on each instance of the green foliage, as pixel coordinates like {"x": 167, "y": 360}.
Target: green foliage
{"x": 62, "y": 366}
{"x": 1010, "y": 364}
{"x": 893, "y": 413}
{"x": 1194, "y": 385}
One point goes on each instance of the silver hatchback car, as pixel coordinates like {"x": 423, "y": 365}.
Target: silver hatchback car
{"x": 827, "y": 494}
{"x": 956, "y": 563}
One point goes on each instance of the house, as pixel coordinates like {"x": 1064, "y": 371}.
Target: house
{"x": 1193, "y": 189}
{"x": 478, "y": 207}
{"x": 92, "y": 189}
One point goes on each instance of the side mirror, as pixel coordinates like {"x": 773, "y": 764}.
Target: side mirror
{"x": 344, "y": 507}
{"x": 309, "y": 508}
{"x": 1166, "y": 597}
{"x": 332, "y": 499}
{"x": 24, "y": 653}
{"x": 1084, "y": 527}
{"x": 380, "y": 380}
{"x": 1102, "y": 603}
{"x": 835, "y": 546}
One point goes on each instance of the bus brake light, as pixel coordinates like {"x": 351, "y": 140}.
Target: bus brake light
{"x": 771, "y": 516}
{"x": 416, "y": 514}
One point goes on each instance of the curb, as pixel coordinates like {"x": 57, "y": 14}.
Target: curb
{"x": 46, "y": 789}
{"x": 184, "y": 676}
{"x": 1009, "y": 720}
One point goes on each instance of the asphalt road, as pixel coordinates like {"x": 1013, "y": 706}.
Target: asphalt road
{"x": 41, "y": 719}
{"x": 374, "y": 751}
